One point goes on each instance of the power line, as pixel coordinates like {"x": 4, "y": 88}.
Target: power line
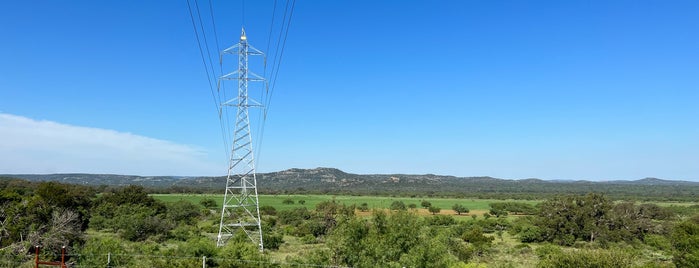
{"x": 208, "y": 75}
{"x": 224, "y": 122}
{"x": 269, "y": 36}
{"x": 275, "y": 71}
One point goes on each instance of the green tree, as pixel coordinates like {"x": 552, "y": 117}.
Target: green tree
{"x": 569, "y": 218}
{"x": 479, "y": 242}
{"x": 498, "y": 212}
{"x": 268, "y": 210}
{"x": 398, "y": 205}
{"x": 425, "y": 204}
{"x": 458, "y": 208}
{"x": 685, "y": 243}
{"x": 208, "y": 203}
{"x": 434, "y": 210}
{"x": 182, "y": 212}
{"x": 364, "y": 207}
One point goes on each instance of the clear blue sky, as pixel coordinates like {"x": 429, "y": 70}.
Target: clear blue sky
{"x": 593, "y": 90}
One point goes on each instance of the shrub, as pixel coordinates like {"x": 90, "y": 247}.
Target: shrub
{"x": 182, "y": 212}
{"x": 208, "y": 203}
{"x": 531, "y": 233}
{"x": 458, "y": 208}
{"x": 309, "y": 239}
{"x": 398, "y": 205}
{"x": 272, "y": 240}
{"x": 441, "y": 220}
{"x": 268, "y": 210}
{"x": 588, "y": 258}
{"x": 657, "y": 241}
{"x": 364, "y": 207}
{"x": 685, "y": 242}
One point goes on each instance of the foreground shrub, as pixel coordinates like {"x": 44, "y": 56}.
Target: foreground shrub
{"x": 685, "y": 243}
{"x": 587, "y": 258}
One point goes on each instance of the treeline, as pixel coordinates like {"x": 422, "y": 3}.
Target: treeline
{"x": 643, "y": 193}
{"x": 333, "y": 181}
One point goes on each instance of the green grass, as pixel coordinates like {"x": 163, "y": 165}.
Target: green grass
{"x": 374, "y": 202}
{"x": 312, "y": 200}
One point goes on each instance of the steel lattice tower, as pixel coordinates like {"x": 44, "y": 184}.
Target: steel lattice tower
{"x": 241, "y": 210}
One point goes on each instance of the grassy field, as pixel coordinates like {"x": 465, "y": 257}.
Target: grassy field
{"x": 374, "y": 202}
{"x": 477, "y": 206}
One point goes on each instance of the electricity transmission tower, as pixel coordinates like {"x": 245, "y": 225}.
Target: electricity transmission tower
{"x": 241, "y": 210}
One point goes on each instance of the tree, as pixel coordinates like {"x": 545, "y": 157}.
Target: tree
{"x": 398, "y": 205}
{"x": 434, "y": 210}
{"x": 364, "y": 207}
{"x": 182, "y": 212}
{"x": 458, "y": 208}
{"x": 268, "y": 210}
{"x": 132, "y": 194}
{"x": 478, "y": 241}
{"x": 425, "y": 204}
{"x": 497, "y": 212}
{"x": 514, "y": 207}
{"x": 569, "y": 218}
{"x": 208, "y": 203}
{"x": 685, "y": 243}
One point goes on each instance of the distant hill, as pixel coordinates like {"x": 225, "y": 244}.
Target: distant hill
{"x": 331, "y": 180}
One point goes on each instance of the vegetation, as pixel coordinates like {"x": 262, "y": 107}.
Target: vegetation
{"x": 329, "y": 181}
{"x": 139, "y": 229}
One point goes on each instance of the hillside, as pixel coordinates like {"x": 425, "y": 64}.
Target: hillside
{"x": 335, "y": 181}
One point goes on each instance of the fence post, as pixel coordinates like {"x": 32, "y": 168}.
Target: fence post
{"x": 63, "y": 257}
{"x": 109, "y": 258}
{"x": 36, "y": 260}
{"x": 203, "y": 261}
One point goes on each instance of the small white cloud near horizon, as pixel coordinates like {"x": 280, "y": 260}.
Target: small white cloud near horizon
{"x": 29, "y": 146}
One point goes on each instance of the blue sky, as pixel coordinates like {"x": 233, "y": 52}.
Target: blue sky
{"x": 594, "y": 90}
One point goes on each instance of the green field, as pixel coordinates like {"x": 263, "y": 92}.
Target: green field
{"x": 379, "y": 202}
{"x": 310, "y": 201}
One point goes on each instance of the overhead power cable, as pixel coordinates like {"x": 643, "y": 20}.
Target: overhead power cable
{"x": 275, "y": 67}
{"x": 208, "y": 76}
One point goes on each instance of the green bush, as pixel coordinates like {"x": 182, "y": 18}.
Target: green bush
{"x": 364, "y": 207}
{"x": 398, "y": 205}
{"x": 268, "y": 210}
{"x": 658, "y": 242}
{"x": 208, "y": 203}
{"x": 531, "y": 233}
{"x": 441, "y": 220}
{"x": 597, "y": 258}
{"x": 272, "y": 240}
{"x": 685, "y": 243}
{"x": 182, "y": 212}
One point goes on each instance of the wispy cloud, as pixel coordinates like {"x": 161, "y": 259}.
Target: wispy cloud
{"x": 35, "y": 146}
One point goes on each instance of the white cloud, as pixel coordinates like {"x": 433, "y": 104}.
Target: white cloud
{"x": 31, "y": 146}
